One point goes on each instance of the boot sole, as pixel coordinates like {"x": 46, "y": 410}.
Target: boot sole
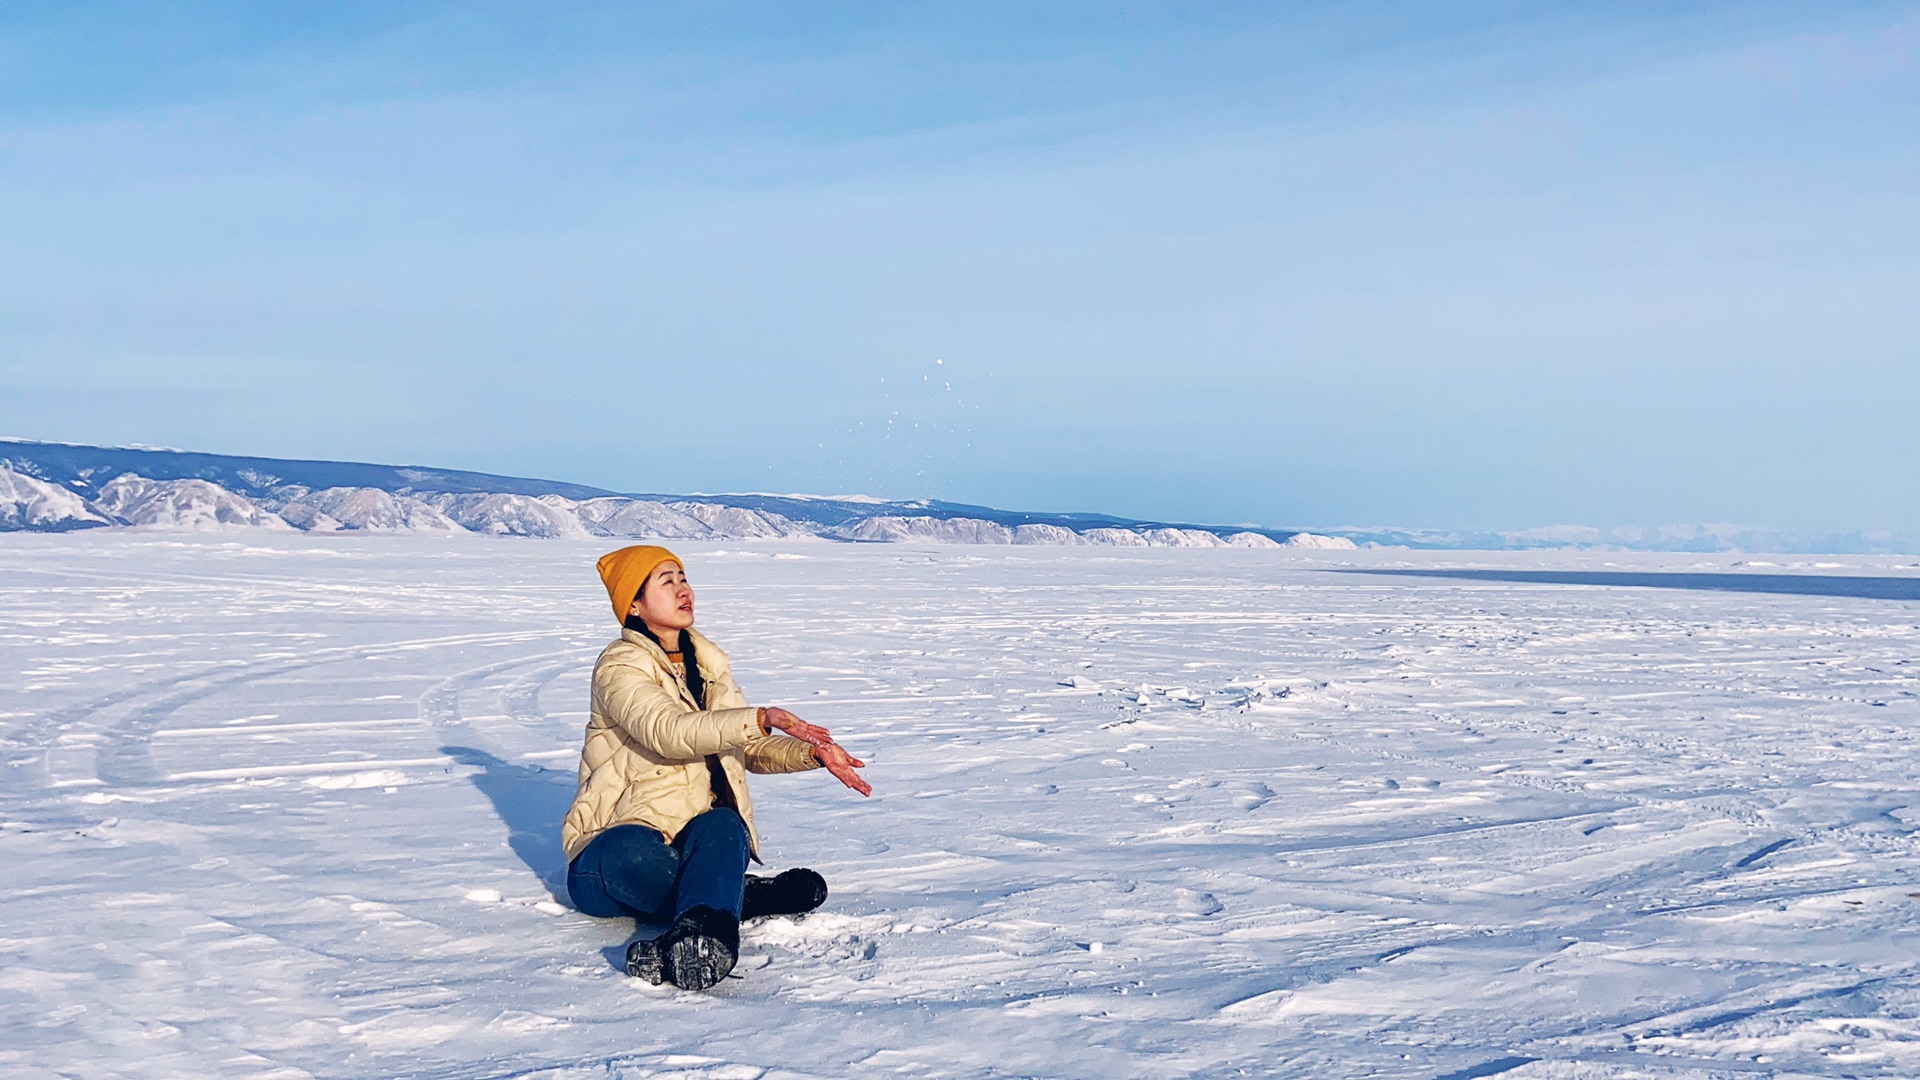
{"x": 698, "y": 962}
{"x": 644, "y": 962}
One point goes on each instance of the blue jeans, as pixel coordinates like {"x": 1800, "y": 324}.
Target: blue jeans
{"x": 631, "y": 870}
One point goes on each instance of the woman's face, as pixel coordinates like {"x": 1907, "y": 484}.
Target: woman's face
{"x": 666, "y": 600}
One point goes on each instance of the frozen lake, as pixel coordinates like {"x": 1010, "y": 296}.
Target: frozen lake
{"x": 289, "y": 807}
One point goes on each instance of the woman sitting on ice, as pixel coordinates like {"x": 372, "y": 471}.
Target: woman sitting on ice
{"x": 662, "y": 825}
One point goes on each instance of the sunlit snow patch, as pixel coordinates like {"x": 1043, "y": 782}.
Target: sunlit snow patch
{"x": 370, "y": 779}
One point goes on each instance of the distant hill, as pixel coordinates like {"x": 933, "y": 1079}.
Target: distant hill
{"x": 61, "y": 486}
{"x": 84, "y": 467}
{"x": 57, "y": 487}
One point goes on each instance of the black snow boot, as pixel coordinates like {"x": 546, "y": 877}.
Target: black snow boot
{"x": 793, "y": 892}
{"x": 644, "y": 960}
{"x": 700, "y": 949}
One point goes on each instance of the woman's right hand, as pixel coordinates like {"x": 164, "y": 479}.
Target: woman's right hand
{"x": 813, "y": 735}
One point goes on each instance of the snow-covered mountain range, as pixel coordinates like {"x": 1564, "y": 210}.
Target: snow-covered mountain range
{"x": 1700, "y": 538}
{"x": 55, "y": 487}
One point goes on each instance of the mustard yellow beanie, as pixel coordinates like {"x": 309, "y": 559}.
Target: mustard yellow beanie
{"x": 626, "y": 570}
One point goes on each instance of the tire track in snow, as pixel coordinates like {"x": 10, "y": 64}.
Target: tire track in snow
{"x": 439, "y": 705}
{"x": 123, "y": 749}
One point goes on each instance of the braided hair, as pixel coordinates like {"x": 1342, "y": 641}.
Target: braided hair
{"x": 696, "y": 683}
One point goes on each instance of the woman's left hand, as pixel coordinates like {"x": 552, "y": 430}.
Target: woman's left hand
{"x": 841, "y": 764}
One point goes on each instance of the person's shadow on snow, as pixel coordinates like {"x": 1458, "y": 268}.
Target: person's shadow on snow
{"x": 531, "y": 802}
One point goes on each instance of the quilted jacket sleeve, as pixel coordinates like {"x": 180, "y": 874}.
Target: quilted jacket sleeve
{"x": 657, "y": 720}
{"x": 778, "y": 754}
{"x": 765, "y": 753}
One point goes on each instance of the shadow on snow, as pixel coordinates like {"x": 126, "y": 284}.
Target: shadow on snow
{"x": 531, "y": 802}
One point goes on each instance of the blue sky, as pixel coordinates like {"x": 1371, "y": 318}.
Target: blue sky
{"x": 1451, "y": 264}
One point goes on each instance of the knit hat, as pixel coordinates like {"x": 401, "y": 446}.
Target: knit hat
{"x": 626, "y": 570}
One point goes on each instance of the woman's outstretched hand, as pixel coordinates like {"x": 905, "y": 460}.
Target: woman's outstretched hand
{"x": 831, "y": 754}
{"x": 813, "y": 735}
{"x": 841, "y": 764}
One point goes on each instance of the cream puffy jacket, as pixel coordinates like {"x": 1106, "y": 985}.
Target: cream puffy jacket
{"x": 645, "y": 758}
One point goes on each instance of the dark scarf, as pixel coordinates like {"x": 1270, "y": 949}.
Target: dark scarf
{"x": 696, "y": 683}
{"x": 696, "y": 686}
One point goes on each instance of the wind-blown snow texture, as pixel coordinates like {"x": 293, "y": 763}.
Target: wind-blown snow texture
{"x": 287, "y": 805}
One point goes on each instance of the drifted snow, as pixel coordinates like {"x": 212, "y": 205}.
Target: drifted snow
{"x": 290, "y": 808}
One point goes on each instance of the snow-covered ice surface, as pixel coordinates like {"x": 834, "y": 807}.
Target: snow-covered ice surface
{"x": 287, "y": 806}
